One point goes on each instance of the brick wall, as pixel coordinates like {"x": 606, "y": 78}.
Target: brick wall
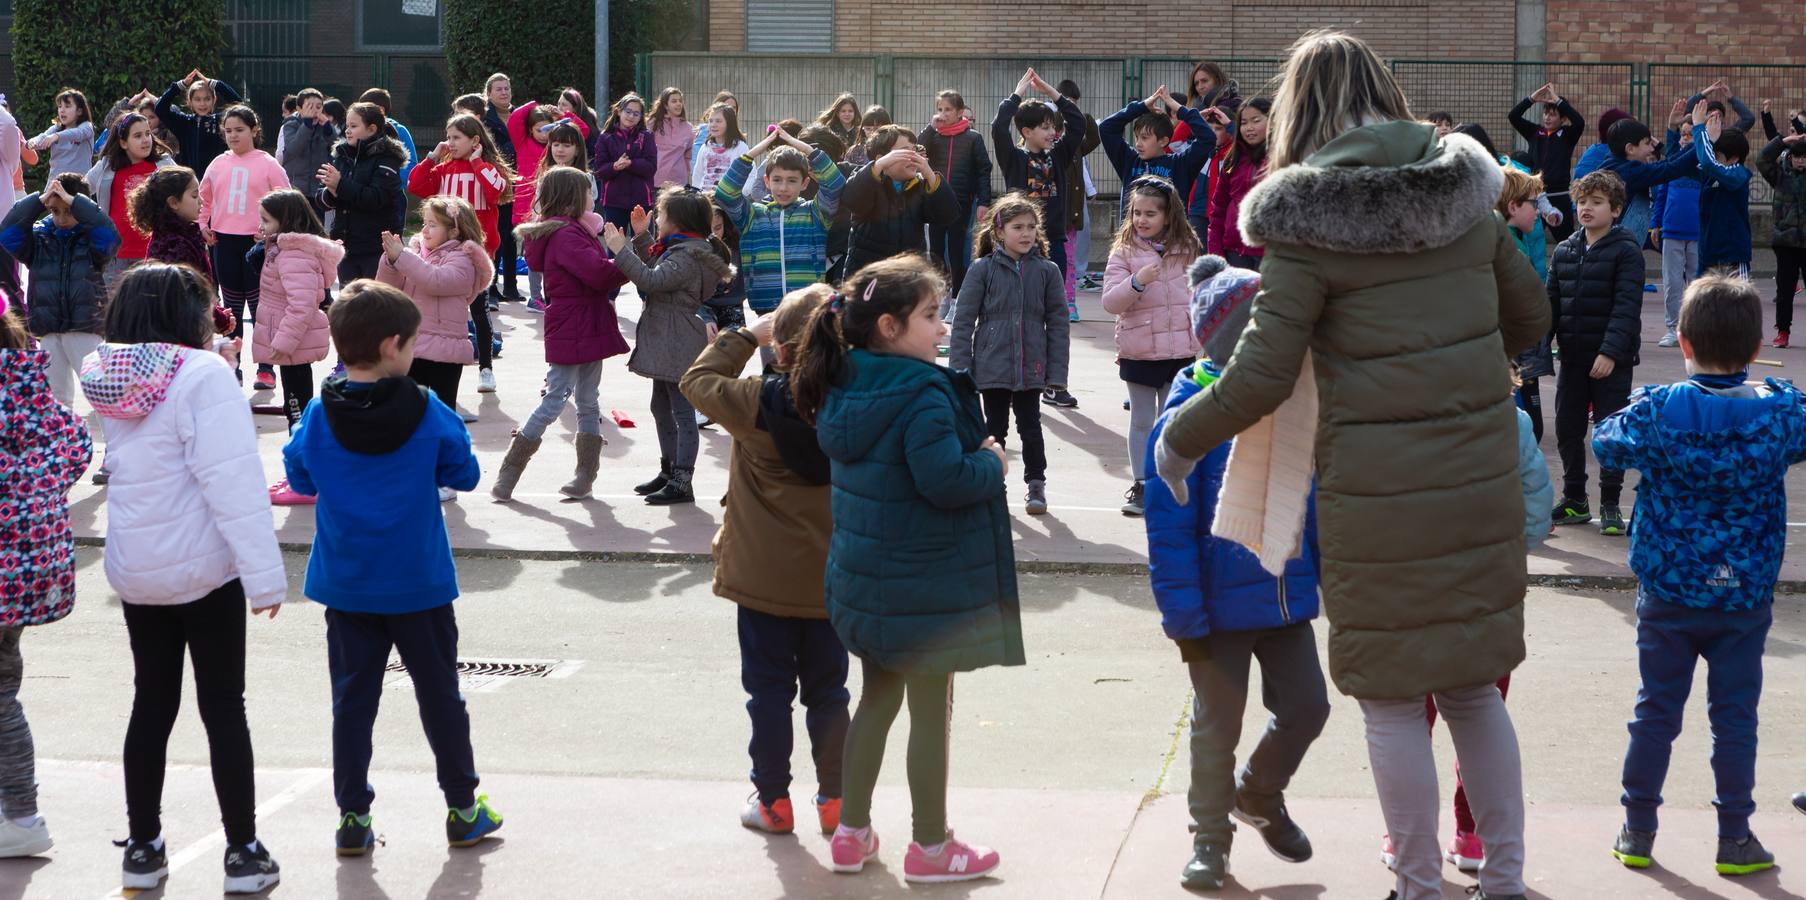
{"x": 1714, "y": 32}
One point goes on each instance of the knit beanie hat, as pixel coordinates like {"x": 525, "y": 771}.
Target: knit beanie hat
{"x": 1609, "y": 118}
{"x": 1221, "y": 300}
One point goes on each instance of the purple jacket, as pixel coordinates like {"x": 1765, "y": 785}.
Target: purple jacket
{"x": 632, "y": 186}
{"x": 579, "y": 277}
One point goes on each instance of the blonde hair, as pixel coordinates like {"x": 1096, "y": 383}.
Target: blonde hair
{"x": 1179, "y": 240}
{"x": 457, "y": 215}
{"x": 791, "y": 320}
{"x": 1008, "y": 208}
{"x": 1520, "y": 187}
{"x": 1331, "y": 83}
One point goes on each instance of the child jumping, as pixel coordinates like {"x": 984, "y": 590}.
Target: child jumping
{"x": 1010, "y": 331}
{"x": 376, "y": 449}
{"x": 918, "y": 496}
{"x": 769, "y": 559}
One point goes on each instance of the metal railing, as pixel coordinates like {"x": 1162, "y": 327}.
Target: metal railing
{"x": 1785, "y": 86}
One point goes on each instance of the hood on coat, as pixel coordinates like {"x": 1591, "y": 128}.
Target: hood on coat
{"x": 796, "y": 440}
{"x": 533, "y": 238}
{"x": 1387, "y": 188}
{"x": 328, "y": 252}
{"x": 127, "y": 381}
{"x": 23, "y": 374}
{"x": 878, "y": 388}
{"x": 474, "y": 250}
{"x": 380, "y": 146}
{"x": 703, "y": 253}
{"x": 373, "y": 419}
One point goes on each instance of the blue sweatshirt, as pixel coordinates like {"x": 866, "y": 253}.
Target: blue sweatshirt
{"x": 1180, "y": 168}
{"x": 1724, "y": 207}
{"x": 1677, "y": 202}
{"x": 376, "y": 456}
{"x": 1638, "y": 179}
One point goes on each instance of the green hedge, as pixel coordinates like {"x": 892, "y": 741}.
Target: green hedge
{"x": 557, "y": 48}
{"x": 140, "y": 44}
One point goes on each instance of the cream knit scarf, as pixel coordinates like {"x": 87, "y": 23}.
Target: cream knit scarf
{"x": 1267, "y": 484}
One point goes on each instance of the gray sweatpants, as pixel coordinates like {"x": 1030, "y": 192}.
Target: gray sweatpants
{"x": 1291, "y": 689}
{"x": 1680, "y": 259}
{"x": 18, "y": 767}
{"x": 1404, "y": 771}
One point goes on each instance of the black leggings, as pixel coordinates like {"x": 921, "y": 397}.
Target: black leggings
{"x": 1790, "y": 265}
{"x": 439, "y": 377}
{"x": 358, "y": 265}
{"x": 930, "y": 706}
{"x": 212, "y": 631}
{"x": 297, "y": 390}
{"x": 1027, "y": 404}
{"x": 479, "y": 316}
{"x": 237, "y": 284}
{"x": 510, "y": 251}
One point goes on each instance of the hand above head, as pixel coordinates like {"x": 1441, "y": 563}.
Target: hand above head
{"x": 771, "y": 137}
{"x": 1765, "y": 106}
{"x": 792, "y": 140}
{"x": 1042, "y": 86}
{"x": 1700, "y": 113}
{"x": 1677, "y": 112}
{"x": 194, "y": 75}
{"x": 1793, "y": 140}
{"x": 1022, "y": 86}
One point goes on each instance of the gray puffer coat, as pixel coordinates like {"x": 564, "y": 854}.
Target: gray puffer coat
{"x": 1010, "y": 325}
{"x": 673, "y": 287}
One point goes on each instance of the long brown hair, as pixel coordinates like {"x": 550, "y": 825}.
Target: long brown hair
{"x": 117, "y": 156}
{"x": 472, "y": 127}
{"x": 1216, "y": 74}
{"x": 831, "y": 115}
{"x": 148, "y": 204}
{"x": 1179, "y": 240}
{"x": 1332, "y": 82}
{"x": 890, "y": 287}
{"x": 661, "y": 109}
{"x": 688, "y": 209}
{"x": 562, "y": 192}
{"x": 1011, "y": 206}
{"x": 614, "y": 112}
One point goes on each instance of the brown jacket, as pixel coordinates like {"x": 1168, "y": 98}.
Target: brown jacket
{"x": 1385, "y": 261}
{"x": 773, "y": 543}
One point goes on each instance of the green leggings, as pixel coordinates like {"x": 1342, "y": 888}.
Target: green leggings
{"x": 930, "y": 706}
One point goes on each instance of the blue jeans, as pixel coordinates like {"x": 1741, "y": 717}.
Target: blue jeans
{"x": 357, "y": 649}
{"x": 777, "y": 653}
{"x": 1670, "y": 637}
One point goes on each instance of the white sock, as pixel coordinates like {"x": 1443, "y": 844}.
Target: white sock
{"x": 27, "y": 821}
{"x": 158, "y": 843}
{"x": 860, "y": 833}
{"x": 470, "y": 813}
{"x": 252, "y": 846}
{"x": 933, "y": 849}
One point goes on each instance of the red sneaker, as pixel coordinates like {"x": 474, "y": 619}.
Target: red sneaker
{"x": 283, "y": 495}
{"x": 827, "y": 810}
{"x": 1781, "y": 339}
{"x": 774, "y": 819}
{"x": 1465, "y": 851}
{"x": 955, "y": 861}
{"x": 266, "y": 380}
{"x": 849, "y": 853}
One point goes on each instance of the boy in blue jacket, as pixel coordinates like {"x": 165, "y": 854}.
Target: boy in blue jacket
{"x": 1633, "y": 160}
{"x": 1152, "y": 126}
{"x": 1675, "y": 232}
{"x": 1724, "y": 202}
{"x": 1223, "y": 609}
{"x": 1705, "y": 570}
{"x": 376, "y": 448}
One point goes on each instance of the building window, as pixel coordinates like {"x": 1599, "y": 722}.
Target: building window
{"x": 790, "y": 26}
{"x": 399, "y": 25}
{"x": 266, "y": 27}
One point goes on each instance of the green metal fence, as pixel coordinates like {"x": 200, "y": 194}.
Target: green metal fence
{"x": 1783, "y": 86}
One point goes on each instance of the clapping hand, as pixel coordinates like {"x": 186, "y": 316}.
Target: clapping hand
{"x": 639, "y": 219}
{"x": 614, "y": 237}
{"x": 329, "y": 177}
{"x": 622, "y": 163}
{"x": 392, "y": 246}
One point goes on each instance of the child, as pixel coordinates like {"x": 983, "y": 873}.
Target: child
{"x": 1224, "y": 611}
{"x": 70, "y": 138}
{"x": 1552, "y": 146}
{"x": 1444, "y": 122}
{"x": 1676, "y": 233}
{"x": 1151, "y": 124}
{"x": 564, "y": 147}
{"x": 1517, "y": 205}
{"x": 1145, "y": 288}
{"x": 581, "y": 329}
{"x": 1039, "y": 166}
{"x": 291, "y": 105}
{"x": 362, "y": 185}
{"x": 1596, "y": 289}
{"x": 296, "y": 264}
{"x": 132, "y": 153}
{"x": 383, "y": 101}
{"x": 874, "y": 118}
{"x": 1633, "y": 161}
{"x": 675, "y": 274}
{"x": 166, "y": 206}
{"x": 46, "y": 448}
{"x": 722, "y": 144}
{"x": 1705, "y": 571}
{"x": 672, "y": 134}
{"x": 304, "y": 143}
{"x": 1783, "y": 166}
{"x": 199, "y": 130}
{"x": 727, "y": 306}
{"x": 769, "y": 559}
{"x": 625, "y": 161}
{"x": 1010, "y": 331}
{"x": 65, "y": 253}
{"x": 189, "y": 542}
{"x": 469, "y": 166}
{"x": 1724, "y": 201}
{"x": 1241, "y": 170}
{"x": 444, "y": 266}
{"x": 231, "y": 189}
{"x": 374, "y": 449}
{"x": 958, "y": 154}
{"x": 892, "y": 198}
{"x": 783, "y": 243}
{"x": 842, "y": 117}
{"x": 529, "y": 128}
{"x": 917, "y": 489}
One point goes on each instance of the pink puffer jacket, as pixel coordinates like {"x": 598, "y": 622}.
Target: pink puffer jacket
{"x": 442, "y": 282}
{"x": 1153, "y": 323}
{"x": 291, "y": 327}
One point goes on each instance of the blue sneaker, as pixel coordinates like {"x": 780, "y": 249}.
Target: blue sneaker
{"x": 467, "y": 831}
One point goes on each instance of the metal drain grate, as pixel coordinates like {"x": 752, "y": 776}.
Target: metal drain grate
{"x": 483, "y": 675}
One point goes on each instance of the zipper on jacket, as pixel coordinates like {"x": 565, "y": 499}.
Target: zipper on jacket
{"x": 783, "y": 256}
{"x": 1285, "y": 612}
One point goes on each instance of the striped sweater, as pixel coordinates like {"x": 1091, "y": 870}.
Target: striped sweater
{"x": 782, "y": 248}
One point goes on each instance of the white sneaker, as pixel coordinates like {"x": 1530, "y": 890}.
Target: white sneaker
{"x": 466, "y": 415}
{"x": 1669, "y": 340}
{"x": 16, "y": 840}
{"x": 447, "y": 495}
{"x": 485, "y": 381}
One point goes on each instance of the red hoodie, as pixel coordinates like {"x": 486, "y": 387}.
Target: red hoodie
{"x": 472, "y": 180}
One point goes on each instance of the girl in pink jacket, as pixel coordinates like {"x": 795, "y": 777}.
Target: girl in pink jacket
{"x": 674, "y": 136}
{"x": 1145, "y": 288}
{"x": 298, "y": 266}
{"x": 528, "y": 128}
{"x": 440, "y": 270}
{"x": 231, "y": 189}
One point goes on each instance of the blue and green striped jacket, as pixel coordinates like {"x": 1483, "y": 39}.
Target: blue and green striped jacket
{"x": 782, "y": 248}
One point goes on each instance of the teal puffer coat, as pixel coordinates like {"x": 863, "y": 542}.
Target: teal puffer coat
{"x": 921, "y": 571}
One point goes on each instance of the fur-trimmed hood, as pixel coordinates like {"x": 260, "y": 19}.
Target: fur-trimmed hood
{"x": 1387, "y": 188}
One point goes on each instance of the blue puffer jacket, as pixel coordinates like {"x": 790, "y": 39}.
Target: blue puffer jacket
{"x": 1710, "y": 524}
{"x": 921, "y": 573}
{"x": 1677, "y": 202}
{"x": 1204, "y": 583}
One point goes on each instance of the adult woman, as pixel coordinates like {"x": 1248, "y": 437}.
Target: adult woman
{"x": 1211, "y": 88}
{"x": 1408, "y": 301}
{"x": 499, "y": 92}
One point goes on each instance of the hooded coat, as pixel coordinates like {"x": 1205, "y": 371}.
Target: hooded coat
{"x": 441, "y": 282}
{"x": 43, "y": 449}
{"x": 291, "y": 326}
{"x": 580, "y": 324}
{"x": 369, "y": 197}
{"x": 921, "y": 571}
{"x": 670, "y": 331}
{"x": 1385, "y": 262}
{"x": 1010, "y": 324}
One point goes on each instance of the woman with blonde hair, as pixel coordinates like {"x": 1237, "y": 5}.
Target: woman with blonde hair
{"x": 1392, "y": 291}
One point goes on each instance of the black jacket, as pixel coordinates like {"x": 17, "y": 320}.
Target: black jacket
{"x": 199, "y": 136}
{"x": 962, "y": 162}
{"x": 1551, "y": 155}
{"x": 887, "y": 221}
{"x": 369, "y": 199}
{"x": 498, "y": 129}
{"x": 1013, "y": 160}
{"x": 1596, "y": 294}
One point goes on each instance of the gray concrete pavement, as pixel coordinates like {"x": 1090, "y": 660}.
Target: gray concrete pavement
{"x": 621, "y": 774}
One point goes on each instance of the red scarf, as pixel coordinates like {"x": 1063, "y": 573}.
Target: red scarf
{"x": 659, "y": 246}
{"x": 956, "y": 129}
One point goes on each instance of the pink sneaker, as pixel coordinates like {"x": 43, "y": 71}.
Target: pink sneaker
{"x": 1465, "y": 851}
{"x": 1387, "y": 855}
{"x": 956, "y": 861}
{"x": 848, "y": 851}
{"x": 283, "y": 495}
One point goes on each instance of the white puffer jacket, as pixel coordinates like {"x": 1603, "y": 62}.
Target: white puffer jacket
{"x": 187, "y": 510}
